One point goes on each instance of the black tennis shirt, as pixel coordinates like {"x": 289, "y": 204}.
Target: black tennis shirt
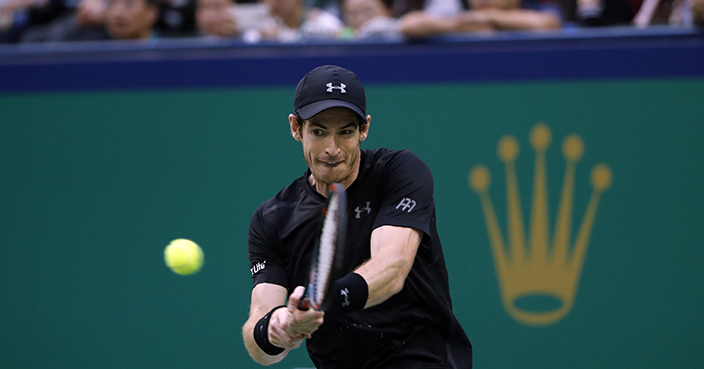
{"x": 415, "y": 328}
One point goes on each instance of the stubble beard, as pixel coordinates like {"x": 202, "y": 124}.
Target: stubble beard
{"x": 328, "y": 176}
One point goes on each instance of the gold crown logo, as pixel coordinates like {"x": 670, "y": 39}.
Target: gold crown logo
{"x": 539, "y": 267}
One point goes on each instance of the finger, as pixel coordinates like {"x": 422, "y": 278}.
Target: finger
{"x": 295, "y": 298}
{"x": 276, "y": 331}
{"x": 280, "y": 338}
{"x": 306, "y": 322}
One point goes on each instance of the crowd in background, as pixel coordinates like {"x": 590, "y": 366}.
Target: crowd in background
{"x": 33, "y": 21}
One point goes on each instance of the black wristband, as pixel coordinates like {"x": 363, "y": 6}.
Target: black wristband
{"x": 261, "y": 334}
{"x": 350, "y": 294}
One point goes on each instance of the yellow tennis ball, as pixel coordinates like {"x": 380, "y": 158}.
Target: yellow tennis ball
{"x": 183, "y": 256}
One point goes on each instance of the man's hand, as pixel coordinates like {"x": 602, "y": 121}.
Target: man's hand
{"x": 288, "y": 327}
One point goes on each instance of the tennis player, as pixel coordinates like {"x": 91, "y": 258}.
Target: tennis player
{"x": 392, "y": 309}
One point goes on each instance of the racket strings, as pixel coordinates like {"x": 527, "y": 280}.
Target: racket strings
{"x": 326, "y": 253}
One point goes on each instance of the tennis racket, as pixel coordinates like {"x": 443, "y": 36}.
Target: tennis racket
{"x": 326, "y": 261}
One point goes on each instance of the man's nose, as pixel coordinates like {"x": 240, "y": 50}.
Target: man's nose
{"x": 332, "y": 148}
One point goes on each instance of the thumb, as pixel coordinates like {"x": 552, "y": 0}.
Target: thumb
{"x": 295, "y": 299}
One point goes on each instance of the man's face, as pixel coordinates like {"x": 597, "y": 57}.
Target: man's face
{"x": 129, "y": 19}
{"x": 331, "y": 141}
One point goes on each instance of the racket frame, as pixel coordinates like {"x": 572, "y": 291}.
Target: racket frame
{"x": 335, "y": 269}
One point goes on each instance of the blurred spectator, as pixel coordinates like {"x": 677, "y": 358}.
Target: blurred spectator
{"x": 96, "y": 20}
{"x": 596, "y": 13}
{"x": 401, "y": 7}
{"x": 82, "y": 20}
{"x": 698, "y": 12}
{"x": 223, "y": 18}
{"x": 484, "y": 16}
{"x": 18, "y": 17}
{"x": 215, "y": 18}
{"x": 295, "y": 21}
{"x": 177, "y": 18}
{"x": 90, "y": 13}
{"x": 673, "y": 12}
{"x": 131, "y": 19}
{"x": 369, "y": 18}
{"x": 434, "y": 7}
{"x": 13, "y": 19}
{"x": 77, "y": 20}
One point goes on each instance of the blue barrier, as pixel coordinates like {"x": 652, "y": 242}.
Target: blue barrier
{"x": 510, "y": 56}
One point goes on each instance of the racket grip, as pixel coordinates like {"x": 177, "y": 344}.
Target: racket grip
{"x": 304, "y": 304}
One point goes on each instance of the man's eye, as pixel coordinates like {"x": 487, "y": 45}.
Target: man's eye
{"x": 317, "y": 132}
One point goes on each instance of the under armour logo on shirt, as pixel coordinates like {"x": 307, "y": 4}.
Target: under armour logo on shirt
{"x": 359, "y": 210}
{"x": 406, "y": 204}
{"x": 341, "y": 87}
{"x": 345, "y": 292}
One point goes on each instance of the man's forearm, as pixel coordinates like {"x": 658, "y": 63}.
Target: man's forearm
{"x": 254, "y": 350}
{"x": 265, "y": 296}
{"x": 393, "y": 252}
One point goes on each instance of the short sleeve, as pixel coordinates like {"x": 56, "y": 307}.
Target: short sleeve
{"x": 407, "y": 189}
{"x": 266, "y": 262}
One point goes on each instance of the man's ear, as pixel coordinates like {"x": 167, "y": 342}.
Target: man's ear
{"x": 364, "y": 129}
{"x": 295, "y": 127}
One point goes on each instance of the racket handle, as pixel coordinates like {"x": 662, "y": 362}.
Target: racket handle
{"x": 304, "y": 304}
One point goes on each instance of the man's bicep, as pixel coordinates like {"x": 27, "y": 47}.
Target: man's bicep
{"x": 399, "y": 241}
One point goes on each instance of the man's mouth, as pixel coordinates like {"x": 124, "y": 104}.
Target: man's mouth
{"x": 331, "y": 164}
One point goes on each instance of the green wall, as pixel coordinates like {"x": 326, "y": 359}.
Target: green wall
{"x": 95, "y": 184}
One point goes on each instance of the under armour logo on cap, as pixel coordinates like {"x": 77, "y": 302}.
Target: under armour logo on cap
{"x": 341, "y": 87}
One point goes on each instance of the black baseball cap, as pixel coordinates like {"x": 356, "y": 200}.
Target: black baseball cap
{"x": 329, "y": 86}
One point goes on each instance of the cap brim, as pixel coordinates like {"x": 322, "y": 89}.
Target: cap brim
{"x": 308, "y": 111}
